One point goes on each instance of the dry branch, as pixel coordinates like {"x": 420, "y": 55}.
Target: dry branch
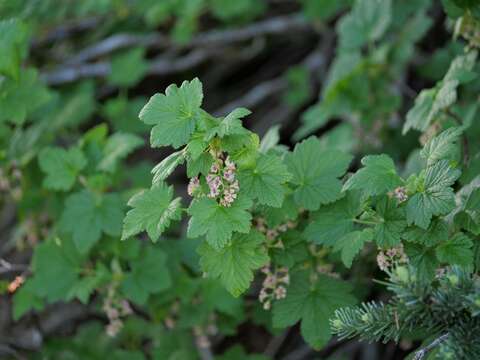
{"x": 277, "y": 25}
{"x": 158, "y": 66}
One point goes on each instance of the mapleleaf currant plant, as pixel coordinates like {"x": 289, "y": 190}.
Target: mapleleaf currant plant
{"x": 267, "y": 236}
{"x": 375, "y": 204}
{"x": 235, "y": 185}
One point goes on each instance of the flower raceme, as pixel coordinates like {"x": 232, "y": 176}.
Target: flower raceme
{"x": 221, "y": 181}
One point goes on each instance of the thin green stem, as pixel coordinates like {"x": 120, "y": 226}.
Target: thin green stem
{"x": 365, "y": 222}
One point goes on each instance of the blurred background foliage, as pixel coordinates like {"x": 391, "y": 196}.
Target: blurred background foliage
{"x": 76, "y": 74}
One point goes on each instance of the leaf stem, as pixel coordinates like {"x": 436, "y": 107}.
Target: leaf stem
{"x": 365, "y": 222}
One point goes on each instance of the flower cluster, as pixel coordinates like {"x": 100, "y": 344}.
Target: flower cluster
{"x": 202, "y": 333}
{"x": 469, "y": 28}
{"x": 272, "y": 234}
{"x": 274, "y": 286}
{"x": 10, "y": 180}
{"x": 171, "y": 318}
{"x": 115, "y": 309}
{"x": 15, "y": 284}
{"x": 327, "y": 269}
{"x": 440, "y": 272}
{"x": 222, "y": 182}
{"x": 391, "y": 257}
{"x": 193, "y": 186}
{"x": 400, "y": 193}
{"x": 433, "y": 130}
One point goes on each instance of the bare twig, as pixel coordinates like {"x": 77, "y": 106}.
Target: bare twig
{"x": 313, "y": 62}
{"x": 406, "y": 89}
{"x": 7, "y": 267}
{"x": 73, "y": 73}
{"x": 307, "y": 352}
{"x": 205, "y": 353}
{"x": 7, "y": 217}
{"x": 420, "y": 354}
{"x": 62, "y": 315}
{"x": 159, "y": 66}
{"x": 24, "y": 335}
{"x": 117, "y": 42}
{"x": 275, "y": 344}
{"x": 162, "y": 66}
{"x": 207, "y": 43}
{"x": 203, "y": 344}
{"x": 300, "y": 353}
{"x": 9, "y": 351}
{"x": 277, "y": 25}
{"x": 255, "y": 96}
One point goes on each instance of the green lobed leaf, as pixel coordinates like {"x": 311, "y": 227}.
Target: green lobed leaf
{"x": 200, "y": 165}
{"x": 25, "y": 299}
{"x": 392, "y": 223}
{"x": 13, "y": 43}
{"x": 117, "y": 147}
{"x": 266, "y": 181}
{"x": 153, "y": 211}
{"x": 315, "y": 173}
{"x": 430, "y": 102}
{"x": 84, "y": 287}
{"x": 298, "y": 86}
{"x": 418, "y": 117}
{"x": 378, "y": 176}
{"x": 77, "y": 106}
{"x": 197, "y": 145}
{"x": 149, "y": 275}
{"x": 19, "y": 98}
{"x": 436, "y": 197}
{"x": 122, "y": 113}
{"x": 128, "y": 68}
{"x": 270, "y": 139}
{"x": 174, "y": 114}
{"x": 277, "y": 216}
{"x": 163, "y": 169}
{"x": 442, "y": 146}
{"x": 423, "y": 259}
{"x": 367, "y": 22}
{"x": 351, "y": 244}
{"x": 456, "y": 250}
{"x": 87, "y": 215}
{"x": 55, "y": 267}
{"x": 467, "y": 212}
{"x": 175, "y": 344}
{"x": 61, "y": 167}
{"x": 331, "y": 222}
{"x": 218, "y": 222}
{"x": 235, "y": 262}
{"x": 312, "y": 304}
{"x": 243, "y": 149}
{"x": 236, "y": 352}
{"x": 436, "y": 232}
{"x": 229, "y": 125}
{"x": 317, "y": 115}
